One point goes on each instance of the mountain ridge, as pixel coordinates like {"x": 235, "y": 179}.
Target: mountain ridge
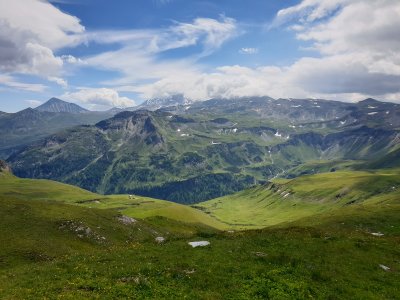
{"x": 224, "y": 145}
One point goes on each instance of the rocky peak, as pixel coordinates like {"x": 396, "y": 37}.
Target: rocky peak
{"x": 133, "y": 125}
{"x": 58, "y": 105}
{"x": 4, "y": 167}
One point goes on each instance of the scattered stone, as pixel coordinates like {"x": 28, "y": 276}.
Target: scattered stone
{"x": 385, "y": 268}
{"x": 81, "y": 230}
{"x": 231, "y": 231}
{"x": 260, "y": 254}
{"x": 199, "y": 244}
{"x": 126, "y": 220}
{"x": 189, "y": 271}
{"x": 160, "y": 239}
{"x": 377, "y": 233}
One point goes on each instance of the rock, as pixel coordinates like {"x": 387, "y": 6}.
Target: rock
{"x": 260, "y": 254}
{"x": 385, "y": 268}
{"x": 160, "y": 239}
{"x": 377, "y": 233}
{"x": 4, "y": 167}
{"x": 126, "y": 220}
{"x": 199, "y": 244}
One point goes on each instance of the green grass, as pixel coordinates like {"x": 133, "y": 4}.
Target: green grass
{"x": 329, "y": 255}
{"x": 296, "y": 262}
{"x": 139, "y": 207}
{"x": 291, "y": 200}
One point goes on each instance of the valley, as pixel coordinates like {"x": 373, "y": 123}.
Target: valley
{"x": 192, "y": 153}
{"x": 59, "y": 240}
{"x": 211, "y": 150}
{"x": 295, "y": 202}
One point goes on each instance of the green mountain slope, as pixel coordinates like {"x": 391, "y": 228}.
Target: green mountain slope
{"x": 290, "y": 200}
{"x": 192, "y": 158}
{"x": 12, "y": 187}
{"x": 29, "y": 125}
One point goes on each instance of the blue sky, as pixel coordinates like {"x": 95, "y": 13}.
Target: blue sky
{"x": 100, "y": 53}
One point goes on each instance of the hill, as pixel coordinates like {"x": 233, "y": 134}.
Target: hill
{"x": 51, "y": 249}
{"x": 285, "y": 201}
{"x": 135, "y": 206}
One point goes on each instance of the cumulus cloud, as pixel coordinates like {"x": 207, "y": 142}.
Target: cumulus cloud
{"x": 248, "y": 50}
{"x": 95, "y": 97}
{"x": 30, "y": 32}
{"x": 63, "y": 83}
{"x": 70, "y": 59}
{"x": 359, "y": 56}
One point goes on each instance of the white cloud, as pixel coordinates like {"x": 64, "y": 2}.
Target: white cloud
{"x": 138, "y": 57}
{"x": 10, "y": 81}
{"x": 33, "y": 103}
{"x": 70, "y": 59}
{"x": 30, "y": 32}
{"x": 359, "y": 48}
{"x": 248, "y": 50}
{"x": 96, "y": 97}
{"x": 61, "y": 82}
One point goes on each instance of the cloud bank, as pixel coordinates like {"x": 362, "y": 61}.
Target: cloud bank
{"x": 98, "y": 97}
{"x": 359, "y": 56}
{"x": 355, "y": 54}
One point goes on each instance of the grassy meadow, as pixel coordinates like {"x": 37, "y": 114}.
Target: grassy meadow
{"x": 58, "y": 244}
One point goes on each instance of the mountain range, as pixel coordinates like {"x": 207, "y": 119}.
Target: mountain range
{"x": 196, "y": 151}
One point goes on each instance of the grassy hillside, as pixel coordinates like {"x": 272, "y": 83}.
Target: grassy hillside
{"x": 137, "y": 207}
{"x": 39, "y": 258}
{"x": 305, "y": 196}
{"x": 71, "y": 249}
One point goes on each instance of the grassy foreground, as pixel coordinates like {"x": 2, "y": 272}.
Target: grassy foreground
{"x": 47, "y": 251}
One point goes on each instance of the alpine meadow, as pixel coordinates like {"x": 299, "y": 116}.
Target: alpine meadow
{"x": 199, "y": 149}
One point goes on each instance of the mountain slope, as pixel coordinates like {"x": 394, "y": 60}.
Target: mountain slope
{"x": 139, "y": 207}
{"x": 213, "y": 148}
{"x": 56, "y": 105}
{"x": 50, "y": 250}
{"x": 291, "y": 200}
{"x": 29, "y": 125}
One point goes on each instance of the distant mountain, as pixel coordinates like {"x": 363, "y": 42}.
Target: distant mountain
{"x": 28, "y": 125}
{"x": 189, "y": 153}
{"x": 56, "y": 105}
{"x": 157, "y": 103}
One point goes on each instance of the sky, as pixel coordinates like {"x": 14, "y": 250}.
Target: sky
{"x": 102, "y": 54}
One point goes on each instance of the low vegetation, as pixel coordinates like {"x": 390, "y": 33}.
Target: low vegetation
{"x": 58, "y": 241}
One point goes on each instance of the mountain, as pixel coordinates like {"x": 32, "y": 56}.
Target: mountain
{"x": 212, "y": 148}
{"x": 157, "y": 103}
{"x": 29, "y": 125}
{"x": 56, "y": 105}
